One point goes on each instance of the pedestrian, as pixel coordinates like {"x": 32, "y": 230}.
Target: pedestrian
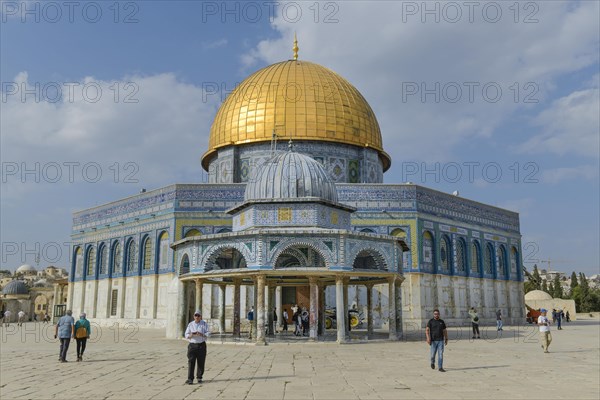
{"x": 196, "y": 333}
{"x": 285, "y": 320}
{"x": 545, "y": 335}
{"x": 1, "y": 317}
{"x": 6, "y": 318}
{"x": 65, "y": 329}
{"x": 559, "y": 315}
{"x": 20, "y": 318}
{"x": 250, "y": 318}
{"x": 45, "y": 318}
{"x": 474, "y": 322}
{"x": 275, "y": 319}
{"x": 437, "y": 337}
{"x": 554, "y": 315}
{"x": 304, "y": 318}
{"x": 499, "y": 320}
{"x": 297, "y": 322}
{"x": 568, "y": 316}
{"x": 82, "y": 334}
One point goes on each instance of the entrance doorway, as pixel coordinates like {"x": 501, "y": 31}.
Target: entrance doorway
{"x": 292, "y": 295}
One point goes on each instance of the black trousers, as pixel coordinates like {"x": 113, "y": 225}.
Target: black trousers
{"x": 64, "y": 347}
{"x": 285, "y": 324}
{"x": 475, "y": 328}
{"x": 196, "y": 354}
{"x": 81, "y": 346}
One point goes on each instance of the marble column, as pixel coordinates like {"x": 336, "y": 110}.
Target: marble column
{"x": 392, "y": 307}
{"x": 222, "y": 299}
{"x": 137, "y": 296}
{"x": 321, "y": 330}
{"x": 260, "y": 309}
{"x": 278, "y": 305}
{"x": 348, "y": 327}
{"x": 255, "y": 305}
{"x": 369, "y": 310}
{"x": 270, "y": 306}
{"x": 236, "y": 308}
{"x": 339, "y": 304}
{"x": 314, "y": 308}
{"x": 55, "y": 301}
{"x": 198, "y": 302}
{"x": 399, "y": 329}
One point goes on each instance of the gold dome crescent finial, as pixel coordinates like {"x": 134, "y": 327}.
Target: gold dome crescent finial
{"x": 295, "y": 48}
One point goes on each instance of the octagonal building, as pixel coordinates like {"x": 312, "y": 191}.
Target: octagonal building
{"x": 295, "y": 214}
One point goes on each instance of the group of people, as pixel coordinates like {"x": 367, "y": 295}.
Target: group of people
{"x": 301, "y": 321}
{"x": 67, "y": 329}
{"x": 21, "y": 317}
{"x": 558, "y": 316}
{"x": 436, "y": 332}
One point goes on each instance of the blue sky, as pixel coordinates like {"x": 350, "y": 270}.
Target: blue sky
{"x": 466, "y": 94}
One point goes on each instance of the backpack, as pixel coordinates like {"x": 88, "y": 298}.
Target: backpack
{"x": 81, "y": 332}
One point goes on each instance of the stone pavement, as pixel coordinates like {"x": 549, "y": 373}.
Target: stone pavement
{"x": 131, "y": 363}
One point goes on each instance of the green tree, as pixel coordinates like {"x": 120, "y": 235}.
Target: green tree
{"x": 551, "y": 288}
{"x": 558, "y": 291}
{"x": 537, "y": 279}
{"x": 574, "y": 282}
{"x": 545, "y": 286}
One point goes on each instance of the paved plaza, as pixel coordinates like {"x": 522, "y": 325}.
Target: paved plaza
{"x": 131, "y": 363}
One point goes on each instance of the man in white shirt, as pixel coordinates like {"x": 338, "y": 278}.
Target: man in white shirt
{"x": 21, "y": 317}
{"x": 544, "y": 325}
{"x": 196, "y": 333}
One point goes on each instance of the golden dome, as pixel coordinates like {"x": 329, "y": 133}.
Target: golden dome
{"x": 299, "y": 100}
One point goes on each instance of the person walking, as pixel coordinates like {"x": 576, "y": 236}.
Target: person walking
{"x": 285, "y": 319}
{"x": 275, "y": 319}
{"x": 544, "y": 325}
{"x": 82, "y": 334}
{"x": 499, "y": 320}
{"x": 297, "y": 322}
{"x": 20, "y": 318}
{"x": 568, "y": 316}
{"x": 474, "y": 322}
{"x": 196, "y": 333}
{"x": 250, "y": 318}
{"x": 559, "y": 315}
{"x": 6, "y": 318}
{"x": 65, "y": 330}
{"x": 437, "y": 337}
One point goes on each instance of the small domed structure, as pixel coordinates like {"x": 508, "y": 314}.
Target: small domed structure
{"x": 291, "y": 175}
{"x": 26, "y": 269}
{"x": 15, "y": 288}
{"x": 536, "y": 295}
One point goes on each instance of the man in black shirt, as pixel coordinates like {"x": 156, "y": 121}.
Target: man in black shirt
{"x": 437, "y": 337}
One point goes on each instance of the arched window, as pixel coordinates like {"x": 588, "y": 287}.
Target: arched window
{"x": 445, "y": 254}
{"x": 427, "y": 256}
{"x": 131, "y": 256}
{"x": 147, "y": 254}
{"x": 103, "y": 259}
{"x": 461, "y": 259}
{"x": 184, "y": 267}
{"x": 224, "y": 230}
{"x": 514, "y": 261}
{"x": 192, "y": 233}
{"x": 90, "y": 263}
{"x": 475, "y": 257}
{"x": 502, "y": 267}
{"x": 488, "y": 261}
{"x": 78, "y": 262}
{"x": 116, "y": 259}
{"x": 367, "y": 230}
{"x": 163, "y": 250}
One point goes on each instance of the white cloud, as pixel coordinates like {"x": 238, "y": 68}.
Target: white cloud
{"x": 215, "y": 44}
{"x": 374, "y": 49}
{"x": 156, "y": 122}
{"x": 571, "y": 125}
{"x": 559, "y": 175}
